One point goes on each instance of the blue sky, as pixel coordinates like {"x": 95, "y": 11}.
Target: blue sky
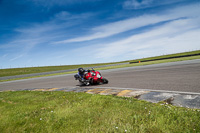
{"x": 65, "y": 32}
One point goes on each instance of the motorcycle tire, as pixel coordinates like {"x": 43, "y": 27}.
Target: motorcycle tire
{"x": 84, "y": 83}
{"x": 105, "y": 81}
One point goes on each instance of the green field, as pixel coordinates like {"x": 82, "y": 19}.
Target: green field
{"x": 30, "y": 70}
{"x": 21, "y": 71}
{"x": 31, "y": 111}
{"x": 197, "y": 52}
{"x": 114, "y": 67}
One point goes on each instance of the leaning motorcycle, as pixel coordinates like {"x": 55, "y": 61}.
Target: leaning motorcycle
{"x": 91, "y": 77}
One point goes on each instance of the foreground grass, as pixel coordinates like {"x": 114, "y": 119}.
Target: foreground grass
{"x": 25, "y": 111}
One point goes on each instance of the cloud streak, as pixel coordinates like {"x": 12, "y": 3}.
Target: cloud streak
{"x": 110, "y": 29}
{"x": 53, "y": 3}
{"x": 41, "y": 34}
{"x": 172, "y": 37}
{"x": 175, "y": 36}
{"x": 135, "y": 4}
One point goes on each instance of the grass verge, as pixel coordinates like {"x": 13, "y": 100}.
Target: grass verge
{"x": 163, "y": 57}
{"x": 39, "y": 76}
{"x": 28, "y": 111}
{"x": 30, "y": 70}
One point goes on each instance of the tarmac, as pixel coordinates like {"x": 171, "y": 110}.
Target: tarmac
{"x": 180, "y": 99}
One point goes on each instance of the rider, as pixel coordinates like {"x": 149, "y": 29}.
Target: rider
{"x": 82, "y": 72}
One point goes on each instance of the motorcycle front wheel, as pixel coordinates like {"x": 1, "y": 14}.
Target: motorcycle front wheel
{"x": 105, "y": 81}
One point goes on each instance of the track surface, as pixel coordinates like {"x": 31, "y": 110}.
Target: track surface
{"x": 178, "y": 76}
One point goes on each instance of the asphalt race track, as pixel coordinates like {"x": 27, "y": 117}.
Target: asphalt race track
{"x": 181, "y": 76}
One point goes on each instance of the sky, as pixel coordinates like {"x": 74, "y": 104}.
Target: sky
{"x": 67, "y": 32}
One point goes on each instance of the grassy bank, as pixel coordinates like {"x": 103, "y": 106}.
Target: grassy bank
{"x": 114, "y": 67}
{"x": 151, "y": 62}
{"x": 30, "y": 70}
{"x": 25, "y": 111}
{"x": 163, "y": 57}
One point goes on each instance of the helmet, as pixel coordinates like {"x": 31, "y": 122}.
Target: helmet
{"x": 81, "y": 70}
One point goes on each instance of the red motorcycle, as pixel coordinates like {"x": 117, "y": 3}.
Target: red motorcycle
{"x": 91, "y": 77}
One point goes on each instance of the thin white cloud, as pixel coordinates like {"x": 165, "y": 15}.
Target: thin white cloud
{"x": 4, "y": 56}
{"x": 58, "y": 22}
{"x": 17, "y": 57}
{"x": 133, "y": 23}
{"x": 135, "y": 4}
{"x": 66, "y": 16}
{"x": 53, "y": 3}
{"x": 35, "y": 34}
{"x": 177, "y": 36}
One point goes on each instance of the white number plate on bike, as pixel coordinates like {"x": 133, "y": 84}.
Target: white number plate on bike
{"x": 98, "y": 76}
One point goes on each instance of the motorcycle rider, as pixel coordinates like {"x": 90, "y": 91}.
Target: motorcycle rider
{"x": 82, "y": 72}
{"x": 89, "y": 77}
